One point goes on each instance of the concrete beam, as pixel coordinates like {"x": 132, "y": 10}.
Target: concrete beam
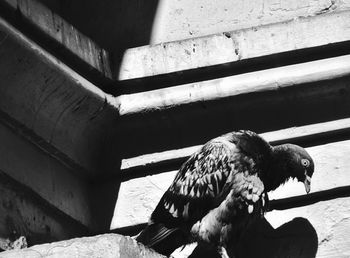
{"x": 138, "y": 197}
{"x": 228, "y": 47}
{"x": 267, "y": 80}
{"x": 58, "y": 37}
{"x": 54, "y": 102}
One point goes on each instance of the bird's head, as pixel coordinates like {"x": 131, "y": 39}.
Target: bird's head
{"x": 296, "y": 163}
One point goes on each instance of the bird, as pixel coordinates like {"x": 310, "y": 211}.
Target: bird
{"x": 221, "y": 189}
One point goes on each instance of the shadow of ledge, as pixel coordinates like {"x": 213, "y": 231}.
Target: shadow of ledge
{"x": 296, "y": 238}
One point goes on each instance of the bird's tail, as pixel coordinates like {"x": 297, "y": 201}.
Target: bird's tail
{"x": 162, "y": 239}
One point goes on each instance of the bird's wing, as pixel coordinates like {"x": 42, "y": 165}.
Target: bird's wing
{"x": 202, "y": 183}
{"x": 224, "y": 224}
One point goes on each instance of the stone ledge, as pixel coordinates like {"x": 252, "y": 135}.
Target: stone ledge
{"x": 108, "y": 245}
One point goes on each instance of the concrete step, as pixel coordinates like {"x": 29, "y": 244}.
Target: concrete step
{"x": 236, "y": 46}
{"x": 308, "y": 135}
{"x": 265, "y": 100}
{"x": 57, "y": 36}
{"x": 144, "y": 192}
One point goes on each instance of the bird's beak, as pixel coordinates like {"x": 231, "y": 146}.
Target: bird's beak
{"x": 307, "y": 183}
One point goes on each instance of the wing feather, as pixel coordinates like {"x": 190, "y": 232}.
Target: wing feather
{"x": 200, "y": 183}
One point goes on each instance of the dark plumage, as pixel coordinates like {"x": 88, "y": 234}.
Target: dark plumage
{"x": 221, "y": 189}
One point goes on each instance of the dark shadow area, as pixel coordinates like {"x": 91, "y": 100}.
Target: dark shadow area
{"x": 103, "y": 197}
{"x": 25, "y": 213}
{"x": 36, "y": 140}
{"x": 264, "y": 111}
{"x": 296, "y": 238}
{"x": 104, "y": 187}
{"x": 175, "y": 164}
{"x": 113, "y": 25}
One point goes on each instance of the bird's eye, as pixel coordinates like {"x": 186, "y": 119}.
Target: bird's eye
{"x": 305, "y": 162}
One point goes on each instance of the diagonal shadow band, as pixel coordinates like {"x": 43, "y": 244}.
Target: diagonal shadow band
{"x": 303, "y": 200}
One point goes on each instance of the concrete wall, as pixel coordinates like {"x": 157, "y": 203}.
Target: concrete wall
{"x": 41, "y": 198}
{"x": 28, "y": 154}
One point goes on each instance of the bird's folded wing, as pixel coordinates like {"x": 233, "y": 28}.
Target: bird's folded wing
{"x": 203, "y": 181}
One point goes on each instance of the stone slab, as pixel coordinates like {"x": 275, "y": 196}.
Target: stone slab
{"x": 108, "y": 246}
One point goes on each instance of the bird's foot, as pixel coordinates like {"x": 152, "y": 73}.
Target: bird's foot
{"x": 223, "y": 253}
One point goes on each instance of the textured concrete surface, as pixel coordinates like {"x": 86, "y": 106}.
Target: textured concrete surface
{"x": 190, "y": 18}
{"x": 231, "y": 46}
{"x": 107, "y": 246}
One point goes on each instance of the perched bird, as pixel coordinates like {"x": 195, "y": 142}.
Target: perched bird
{"x": 222, "y": 189}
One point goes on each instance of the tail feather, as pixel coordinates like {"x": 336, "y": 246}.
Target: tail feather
{"x": 162, "y": 239}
